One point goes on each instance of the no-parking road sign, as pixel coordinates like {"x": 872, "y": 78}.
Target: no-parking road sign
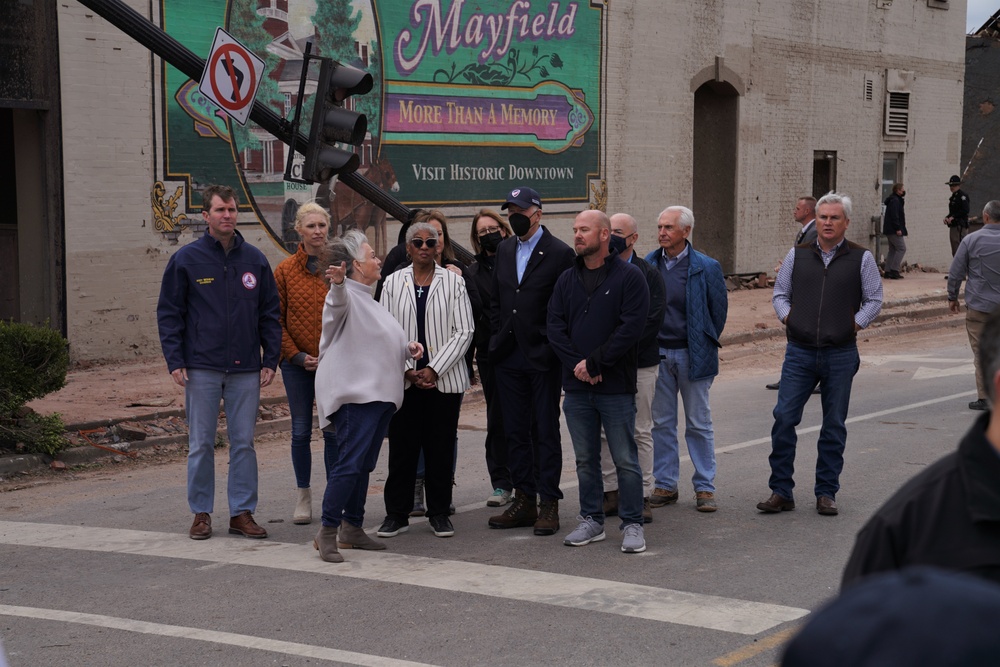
{"x": 231, "y": 76}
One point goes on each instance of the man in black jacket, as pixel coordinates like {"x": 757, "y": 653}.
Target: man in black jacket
{"x": 527, "y": 371}
{"x": 894, "y": 228}
{"x": 948, "y": 516}
{"x": 596, "y": 317}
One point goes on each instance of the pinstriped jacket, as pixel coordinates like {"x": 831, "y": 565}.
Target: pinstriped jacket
{"x": 449, "y": 324}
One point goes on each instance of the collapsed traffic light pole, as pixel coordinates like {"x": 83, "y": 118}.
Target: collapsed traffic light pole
{"x": 166, "y": 47}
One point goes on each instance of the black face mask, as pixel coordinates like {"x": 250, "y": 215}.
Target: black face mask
{"x": 520, "y": 223}
{"x": 617, "y": 244}
{"x": 491, "y": 241}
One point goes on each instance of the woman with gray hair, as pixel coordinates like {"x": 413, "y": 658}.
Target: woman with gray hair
{"x": 432, "y": 305}
{"x": 362, "y": 354}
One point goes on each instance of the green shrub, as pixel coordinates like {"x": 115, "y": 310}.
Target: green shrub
{"x": 33, "y": 363}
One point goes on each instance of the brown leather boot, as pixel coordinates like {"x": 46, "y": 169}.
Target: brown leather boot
{"x": 521, "y": 513}
{"x": 548, "y": 518}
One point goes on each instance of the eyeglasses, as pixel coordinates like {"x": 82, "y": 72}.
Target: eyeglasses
{"x": 488, "y": 231}
{"x": 419, "y": 243}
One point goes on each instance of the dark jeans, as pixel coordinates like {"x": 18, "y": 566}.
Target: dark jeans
{"x": 361, "y": 427}
{"x": 834, "y": 369}
{"x": 427, "y": 422}
{"x": 586, "y": 413}
{"x": 529, "y": 399}
{"x": 496, "y": 440}
{"x": 300, "y": 386}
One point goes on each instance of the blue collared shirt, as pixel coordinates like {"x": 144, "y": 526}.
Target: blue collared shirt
{"x": 524, "y": 251}
{"x": 670, "y": 262}
{"x": 871, "y": 286}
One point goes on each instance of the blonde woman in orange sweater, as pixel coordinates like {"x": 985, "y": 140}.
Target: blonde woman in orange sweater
{"x": 302, "y": 290}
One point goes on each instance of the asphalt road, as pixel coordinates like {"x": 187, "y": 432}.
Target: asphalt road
{"x": 98, "y": 570}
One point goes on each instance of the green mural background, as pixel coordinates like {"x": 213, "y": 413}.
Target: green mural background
{"x": 471, "y": 99}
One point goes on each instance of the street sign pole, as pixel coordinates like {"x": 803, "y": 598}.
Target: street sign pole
{"x": 166, "y": 47}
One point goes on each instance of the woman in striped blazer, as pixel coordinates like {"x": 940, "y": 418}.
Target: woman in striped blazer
{"x": 432, "y": 305}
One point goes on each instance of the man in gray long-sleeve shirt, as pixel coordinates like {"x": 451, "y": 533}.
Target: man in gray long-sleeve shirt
{"x": 978, "y": 260}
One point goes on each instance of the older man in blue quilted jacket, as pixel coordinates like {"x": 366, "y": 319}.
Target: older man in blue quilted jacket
{"x": 697, "y": 304}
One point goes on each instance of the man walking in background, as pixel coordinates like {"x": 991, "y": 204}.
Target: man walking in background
{"x": 978, "y": 259}
{"x": 894, "y": 228}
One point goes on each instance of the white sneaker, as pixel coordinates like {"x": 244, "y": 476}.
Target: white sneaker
{"x": 499, "y": 498}
{"x": 588, "y": 531}
{"x": 633, "y": 541}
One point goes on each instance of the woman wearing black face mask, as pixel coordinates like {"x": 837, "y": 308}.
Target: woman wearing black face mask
{"x": 488, "y": 230}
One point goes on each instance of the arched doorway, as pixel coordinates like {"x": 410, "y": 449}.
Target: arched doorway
{"x": 716, "y": 151}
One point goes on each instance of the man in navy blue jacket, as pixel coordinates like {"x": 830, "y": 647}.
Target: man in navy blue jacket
{"x": 218, "y": 308}
{"x": 596, "y": 317}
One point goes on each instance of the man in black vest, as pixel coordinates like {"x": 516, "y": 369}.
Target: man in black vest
{"x": 824, "y": 294}
{"x": 958, "y": 213}
{"x": 528, "y": 373}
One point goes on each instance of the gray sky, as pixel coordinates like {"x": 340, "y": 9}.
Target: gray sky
{"x": 979, "y": 11}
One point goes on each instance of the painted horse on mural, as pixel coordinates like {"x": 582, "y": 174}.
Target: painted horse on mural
{"x": 350, "y": 210}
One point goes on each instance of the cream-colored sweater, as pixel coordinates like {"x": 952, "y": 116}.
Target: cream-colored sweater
{"x": 362, "y": 352}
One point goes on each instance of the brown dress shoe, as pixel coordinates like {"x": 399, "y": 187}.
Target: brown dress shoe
{"x": 548, "y": 518}
{"x": 826, "y": 506}
{"x": 776, "y": 503}
{"x": 611, "y": 503}
{"x": 521, "y": 513}
{"x": 243, "y": 524}
{"x": 647, "y": 511}
{"x": 663, "y": 497}
{"x": 201, "y": 529}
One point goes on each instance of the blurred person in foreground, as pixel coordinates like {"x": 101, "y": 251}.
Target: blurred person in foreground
{"x": 359, "y": 386}
{"x": 918, "y": 617}
{"x": 949, "y": 515}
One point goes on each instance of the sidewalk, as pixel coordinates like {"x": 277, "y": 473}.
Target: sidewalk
{"x": 140, "y": 399}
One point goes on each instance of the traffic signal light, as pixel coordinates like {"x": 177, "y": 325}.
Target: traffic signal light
{"x": 332, "y": 123}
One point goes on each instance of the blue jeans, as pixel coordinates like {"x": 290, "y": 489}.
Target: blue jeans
{"x": 586, "y": 412}
{"x": 300, "y": 387}
{"x": 698, "y": 432}
{"x": 361, "y": 427}
{"x": 240, "y": 396}
{"x": 833, "y": 368}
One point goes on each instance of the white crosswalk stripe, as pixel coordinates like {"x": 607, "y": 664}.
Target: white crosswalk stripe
{"x": 550, "y": 588}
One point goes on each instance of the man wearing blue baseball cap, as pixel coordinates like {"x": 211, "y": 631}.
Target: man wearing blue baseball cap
{"x": 528, "y": 373}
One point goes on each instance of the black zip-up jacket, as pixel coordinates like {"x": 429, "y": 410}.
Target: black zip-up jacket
{"x": 602, "y": 327}
{"x": 947, "y": 516}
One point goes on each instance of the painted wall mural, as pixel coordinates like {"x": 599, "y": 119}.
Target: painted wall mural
{"x": 471, "y": 98}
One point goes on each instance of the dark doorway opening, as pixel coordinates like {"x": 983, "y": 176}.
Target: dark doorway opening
{"x": 716, "y": 146}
